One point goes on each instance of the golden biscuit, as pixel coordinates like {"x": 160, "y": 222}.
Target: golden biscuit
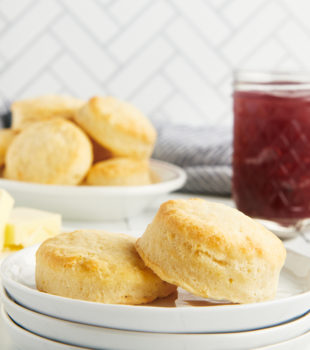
{"x": 97, "y": 266}
{"x": 25, "y": 112}
{"x": 119, "y": 172}
{"x": 117, "y": 126}
{"x": 6, "y": 137}
{"x": 49, "y": 152}
{"x": 213, "y": 251}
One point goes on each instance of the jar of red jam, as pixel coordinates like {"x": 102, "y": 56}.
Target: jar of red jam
{"x": 271, "y": 158}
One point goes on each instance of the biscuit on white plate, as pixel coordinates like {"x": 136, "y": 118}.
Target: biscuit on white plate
{"x": 49, "y": 152}
{"x": 97, "y": 266}
{"x": 6, "y": 137}
{"x": 119, "y": 172}
{"x": 213, "y": 251}
{"x": 25, "y": 112}
{"x": 118, "y": 126}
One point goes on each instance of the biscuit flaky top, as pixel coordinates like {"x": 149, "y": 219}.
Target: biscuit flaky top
{"x": 25, "y": 112}
{"x": 124, "y": 117}
{"x": 117, "y": 126}
{"x": 92, "y": 250}
{"x": 99, "y": 266}
{"x": 120, "y": 172}
{"x": 122, "y": 167}
{"x": 221, "y": 229}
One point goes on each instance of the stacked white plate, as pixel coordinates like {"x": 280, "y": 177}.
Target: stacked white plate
{"x": 38, "y": 320}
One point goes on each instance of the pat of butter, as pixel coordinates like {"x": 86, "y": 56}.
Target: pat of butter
{"x": 28, "y": 226}
{"x": 6, "y": 205}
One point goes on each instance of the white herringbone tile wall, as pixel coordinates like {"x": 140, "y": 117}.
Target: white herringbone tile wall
{"x": 172, "y": 58}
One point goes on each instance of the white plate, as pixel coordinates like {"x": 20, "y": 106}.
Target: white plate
{"x": 97, "y": 202}
{"x": 25, "y": 340}
{"x": 292, "y": 300}
{"x": 301, "y": 342}
{"x": 107, "y": 338}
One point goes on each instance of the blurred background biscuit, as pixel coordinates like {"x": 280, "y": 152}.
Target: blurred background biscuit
{"x": 119, "y": 172}
{"x": 25, "y": 112}
{"x": 6, "y": 137}
{"x": 50, "y": 152}
{"x": 118, "y": 126}
{"x": 97, "y": 266}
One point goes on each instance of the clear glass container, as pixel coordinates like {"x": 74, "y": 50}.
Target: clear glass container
{"x": 271, "y": 158}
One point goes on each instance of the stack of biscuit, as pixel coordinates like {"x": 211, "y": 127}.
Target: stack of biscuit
{"x": 67, "y": 141}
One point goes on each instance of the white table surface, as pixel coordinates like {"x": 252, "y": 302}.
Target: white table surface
{"x": 136, "y": 225}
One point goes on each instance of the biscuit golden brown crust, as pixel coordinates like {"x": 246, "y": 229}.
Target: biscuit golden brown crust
{"x": 97, "y": 266}
{"x": 49, "y": 152}
{"x": 25, "y": 112}
{"x": 213, "y": 251}
{"x": 119, "y": 172}
{"x": 117, "y": 126}
{"x": 6, "y": 137}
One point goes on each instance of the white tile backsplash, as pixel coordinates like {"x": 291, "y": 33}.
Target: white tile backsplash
{"x": 11, "y": 9}
{"x": 90, "y": 15}
{"x": 44, "y": 84}
{"x": 21, "y": 73}
{"x": 248, "y": 39}
{"x": 142, "y": 30}
{"x": 237, "y": 11}
{"x": 204, "y": 18}
{"x": 153, "y": 94}
{"x": 84, "y": 48}
{"x": 74, "y": 79}
{"x": 172, "y": 58}
{"x": 16, "y": 39}
{"x": 194, "y": 48}
{"x": 128, "y": 80}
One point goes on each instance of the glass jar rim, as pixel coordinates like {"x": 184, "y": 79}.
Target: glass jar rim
{"x": 270, "y": 77}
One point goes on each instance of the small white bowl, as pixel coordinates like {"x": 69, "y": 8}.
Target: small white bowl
{"x": 114, "y": 339}
{"x": 97, "y": 203}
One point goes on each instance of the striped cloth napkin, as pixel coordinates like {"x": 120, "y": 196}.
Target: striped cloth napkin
{"x": 203, "y": 152}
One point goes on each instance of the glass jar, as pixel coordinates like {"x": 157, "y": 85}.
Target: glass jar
{"x": 271, "y": 158}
